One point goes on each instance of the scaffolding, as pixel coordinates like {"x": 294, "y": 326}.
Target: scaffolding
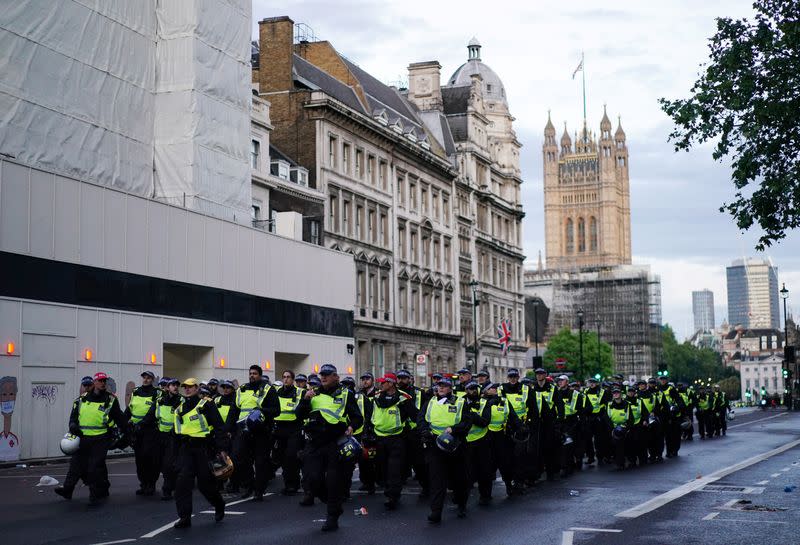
{"x": 623, "y": 302}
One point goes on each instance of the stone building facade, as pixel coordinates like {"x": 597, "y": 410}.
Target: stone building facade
{"x": 473, "y": 108}
{"x": 388, "y": 184}
{"x": 586, "y": 198}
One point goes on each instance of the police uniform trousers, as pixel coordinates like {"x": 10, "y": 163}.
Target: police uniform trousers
{"x": 287, "y": 443}
{"x": 525, "y": 457}
{"x": 194, "y": 456}
{"x": 169, "y": 468}
{"x": 502, "y": 455}
{"x": 147, "y": 456}
{"x": 446, "y": 470}
{"x": 637, "y": 445}
{"x": 251, "y": 449}
{"x": 548, "y": 452}
{"x": 326, "y": 475}
{"x": 415, "y": 458}
{"x": 672, "y": 435}
{"x": 655, "y": 440}
{"x": 687, "y": 434}
{"x": 618, "y": 447}
{"x": 479, "y": 465}
{"x": 89, "y": 464}
{"x": 596, "y": 440}
{"x": 569, "y": 426}
{"x": 705, "y": 425}
{"x": 367, "y": 470}
{"x": 391, "y": 461}
{"x": 722, "y": 421}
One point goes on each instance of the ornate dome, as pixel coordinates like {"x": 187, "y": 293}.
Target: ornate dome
{"x": 493, "y": 88}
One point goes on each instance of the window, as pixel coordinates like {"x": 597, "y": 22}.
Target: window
{"x": 359, "y": 163}
{"x": 436, "y": 255}
{"x": 385, "y": 293}
{"x": 447, "y": 256}
{"x": 333, "y": 145}
{"x": 401, "y": 301}
{"x": 361, "y": 289}
{"x": 509, "y": 275}
{"x": 382, "y": 174}
{"x": 437, "y": 314}
{"x": 747, "y": 384}
{"x": 593, "y": 234}
{"x": 333, "y": 222}
{"x": 372, "y": 226}
{"x": 401, "y": 189}
{"x": 255, "y": 212}
{"x": 581, "y": 235}
{"x": 359, "y": 234}
{"x": 377, "y": 357}
{"x": 346, "y": 218}
{"x": 424, "y": 199}
{"x": 435, "y": 202}
{"x": 313, "y": 227}
{"x": 373, "y": 291}
{"x": 448, "y": 315}
{"x": 425, "y": 251}
{"x": 255, "y": 153}
{"x": 414, "y": 304}
{"x": 570, "y": 237}
{"x": 494, "y": 271}
{"x": 413, "y": 253}
{"x": 445, "y": 210}
{"x": 412, "y": 196}
{"x": 371, "y": 169}
{"x": 346, "y": 158}
{"x": 401, "y": 241}
{"x": 385, "y": 229}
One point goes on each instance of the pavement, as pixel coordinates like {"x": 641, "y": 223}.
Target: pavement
{"x": 729, "y": 491}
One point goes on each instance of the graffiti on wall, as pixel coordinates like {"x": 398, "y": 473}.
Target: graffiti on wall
{"x": 45, "y": 392}
{"x": 9, "y": 442}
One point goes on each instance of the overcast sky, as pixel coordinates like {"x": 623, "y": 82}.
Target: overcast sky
{"x": 635, "y": 53}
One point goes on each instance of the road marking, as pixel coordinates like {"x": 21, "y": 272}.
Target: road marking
{"x": 680, "y": 491}
{"x": 759, "y": 420}
{"x": 226, "y": 512}
{"x": 775, "y": 475}
{"x": 786, "y": 469}
{"x": 749, "y": 521}
{"x": 763, "y": 482}
{"x": 606, "y": 530}
{"x": 115, "y": 542}
{"x": 157, "y": 531}
{"x": 566, "y": 537}
{"x": 710, "y": 516}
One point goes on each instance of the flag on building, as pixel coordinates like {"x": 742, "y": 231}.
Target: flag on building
{"x": 579, "y": 68}
{"x": 504, "y": 335}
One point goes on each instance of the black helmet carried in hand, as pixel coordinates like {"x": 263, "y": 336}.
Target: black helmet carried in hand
{"x": 521, "y": 435}
{"x": 685, "y": 424}
{"x": 447, "y": 442}
{"x": 349, "y": 448}
{"x": 619, "y": 433}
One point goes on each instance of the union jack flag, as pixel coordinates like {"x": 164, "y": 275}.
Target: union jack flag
{"x": 504, "y": 335}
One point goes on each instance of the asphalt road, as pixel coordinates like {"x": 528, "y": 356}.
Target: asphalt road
{"x": 696, "y": 498}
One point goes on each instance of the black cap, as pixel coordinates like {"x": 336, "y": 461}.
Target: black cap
{"x": 148, "y": 374}
{"x": 205, "y": 391}
{"x": 348, "y": 381}
{"x": 641, "y": 381}
{"x": 471, "y": 384}
{"x": 314, "y": 381}
{"x": 592, "y": 379}
{"x": 540, "y": 370}
{"x": 483, "y": 373}
{"x": 464, "y": 371}
{"x": 327, "y": 369}
{"x": 445, "y": 382}
{"x": 436, "y": 376}
{"x": 631, "y": 388}
{"x": 403, "y": 373}
{"x": 616, "y": 390}
{"x": 489, "y": 385}
{"x": 174, "y": 381}
{"x": 225, "y": 384}
{"x": 526, "y": 381}
{"x": 367, "y": 375}
{"x": 301, "y": 377}
{"x": 513, "y": 372}
{"x": 213, "y": 381}
{"x": 87, "y": 381}
{"x": 574, "y": 383}
{"x": 651, "y": 380}
{"x": 663, "y": 378}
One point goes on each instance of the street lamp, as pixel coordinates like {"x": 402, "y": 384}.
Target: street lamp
{"x": 475, "y": 303}
{"x": 597, "y": 323}
{"x": 785, "y": 295}
{"x": 536, "y": 331}
{"x": 580, "y": 339}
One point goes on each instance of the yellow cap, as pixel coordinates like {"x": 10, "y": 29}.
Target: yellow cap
{"x": 189, "y": 382}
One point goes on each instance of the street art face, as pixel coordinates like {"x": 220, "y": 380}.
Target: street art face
{"x": 9, "y": 443}
{"x": 8, "y": 394}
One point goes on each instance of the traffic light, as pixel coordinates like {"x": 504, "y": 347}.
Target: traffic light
{"x": 748, "y": 394}
{"x": 785, "y": 373}
{"x": 597, "y": 376}
{"x": 662, "y": 370}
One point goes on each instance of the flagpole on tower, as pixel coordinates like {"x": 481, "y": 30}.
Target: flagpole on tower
{"x": 583, "y": 77}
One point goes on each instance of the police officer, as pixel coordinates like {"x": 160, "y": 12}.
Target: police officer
{"x": 503, "y": 420}
{"x": 166, "y": 406}
{"x": 367, "y": 469}
{"x": 651, "y": 398}
{"x": 141, "y": 415}
{"x": 415, "y": 453}
{"x": 301, "y": 381}
{"x": 391, "y": 410}
{"x": 571, "y": 418}
{"x": 636, "y": 441}
{"x": 368, "y": 385}
{"x": 252, "y": 448}
{"x": 287, "y": 435}
{"x": 464, "y": 378}
{"x": 445, "y": 414}
{"x": 705, "y": 413}
{"x": 672, "y": 411}
{"x": 548, "y": 453}
{"x": 619, "y": 420}
{"x": 478, "y": 453}
{"x": 483, "y": 378}
{"x": 332, "y": 413}
{"x": 213, "y": 388}
{"x": 520, "y": 401}
{"x": 721, "y": 407}
{"x": 690, "y": 401}
{"x": 197, "y": 431}
{"x": 229, "y": 413}
{"x": 92, "y": 417}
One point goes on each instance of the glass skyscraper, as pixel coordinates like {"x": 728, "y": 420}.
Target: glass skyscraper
{"x": 703, "y": 310}
{"x": 753, "y": 294}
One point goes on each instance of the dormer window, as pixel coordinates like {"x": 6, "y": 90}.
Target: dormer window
{"x": 488, "y": 87}
{"x": 299, "y": 175}
{"x": 280, "y": 169}
{"x": 397, "y": 127}
{"x": 381, "y": 117}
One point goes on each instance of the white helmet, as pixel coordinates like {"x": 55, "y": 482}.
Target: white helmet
{"x": 731, "y": 415}
{"x": 69, "y": 444}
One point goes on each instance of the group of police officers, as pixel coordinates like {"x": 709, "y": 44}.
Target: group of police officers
{"x": 456, "y": 434}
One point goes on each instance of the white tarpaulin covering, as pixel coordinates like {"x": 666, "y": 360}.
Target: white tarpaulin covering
{"x": 149, "y": 96}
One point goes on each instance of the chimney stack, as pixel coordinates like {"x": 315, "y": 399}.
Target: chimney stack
{"x": 276, "y": 46}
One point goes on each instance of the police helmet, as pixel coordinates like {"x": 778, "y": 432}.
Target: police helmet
{"x": 254, "y": 420}
{"x": 349, "y": 448}
{"x": 447, "y": 442}
{"x": 70, "y": 444}
{"x": 619, "y": 433}
{"x": 685, "y": 424}
{"x": 566, "y": 440}
{"x": 521, "y": 435}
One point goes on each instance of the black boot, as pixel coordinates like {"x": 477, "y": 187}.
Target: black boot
{"x": 331, "y": 524}
{"x": 63, "y": 492}
{"x": 183, "y": 522}
{"x": 219, "y": 512}
{"x": 390, "y": 504}
{"x": 307, "y": 501}
{"x": 435, "y": 517}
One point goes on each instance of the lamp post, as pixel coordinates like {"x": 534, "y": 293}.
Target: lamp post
{"x": 597, "y": 323}
{"x": 580, "y": 342}
{"x": 536, "y": 332}
{"x": 475, "y": 303}
{"x": 787, "y": 387}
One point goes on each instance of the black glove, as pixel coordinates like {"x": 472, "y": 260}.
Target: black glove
{"x": 75, "y": 429}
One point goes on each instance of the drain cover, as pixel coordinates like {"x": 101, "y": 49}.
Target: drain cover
{"x": 747, "y": 505}
{"x": 722, "y": 488}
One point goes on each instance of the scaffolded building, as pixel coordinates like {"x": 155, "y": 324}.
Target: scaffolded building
{"x": 622, "y": 302}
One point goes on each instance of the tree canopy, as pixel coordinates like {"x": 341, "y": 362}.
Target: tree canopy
{"x": 747, "y": 102}
{"x": 687, "y": 363}
{"x": 566, "y": 345}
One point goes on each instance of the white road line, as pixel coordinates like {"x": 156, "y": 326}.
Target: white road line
{"x": 606, "y": 530}
{"x": 775, "y": 475}
{"x": 226, "y": 512}
{"x": 710, "y": 516}
{"x": 679, "y": 492}
{"x": 750, "y": 521}
{"x": 786, "y": 469}
{"x": 115, "y": 542}
{"x": 759, "y": 420}
{"x": 157, "y": 531}
{"x": 763, "y": 482}
{"x": 566, "y": 537}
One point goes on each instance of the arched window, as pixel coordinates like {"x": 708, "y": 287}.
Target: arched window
{"x": 570, "y": 238}
{"x": 581, "y": 235}
{"x": 593, "y": 234}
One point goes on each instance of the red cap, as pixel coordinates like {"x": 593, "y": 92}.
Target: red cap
{"x": 388, "y": 377}
{"x": 100, "y": 376}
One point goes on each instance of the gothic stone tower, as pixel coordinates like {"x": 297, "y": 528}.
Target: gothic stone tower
{"x": 587, "y": 198}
